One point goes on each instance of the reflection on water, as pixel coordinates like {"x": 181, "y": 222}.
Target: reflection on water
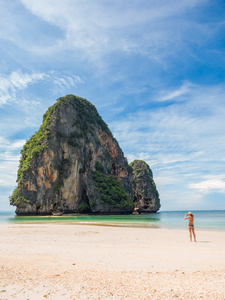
{"x": 144, "y": 220}
{"x": 213, "y": 220}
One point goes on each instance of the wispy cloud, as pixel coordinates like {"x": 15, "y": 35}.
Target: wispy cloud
{"x": 62, "y": 83}
{"x": 7, "y": 146}
{"x": 9, "y": 161}
{"x": 12, "y": 85}
{"x": 193, "y": 126}
{"x": 175, "y": 94}
{"x": 210, "y": 185}
{"x": 150, "y": 28}
{"x": 8, "y": 173}
{"x": 16, "y": 81}
{"x": 22, "y": 80}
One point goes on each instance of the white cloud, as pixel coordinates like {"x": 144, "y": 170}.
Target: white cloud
{"x": 180, "y": 132}
{"x": 12, "y": 85}
{"x": 95, "y": 29}
{"x": 7, "y": 146}
{"x": 209, "y": 185}
{"x": 183, "y": 199}
{"x": 9, "y": 161}
{"x": 16, "y": 81}
{"x": 22, "y": 80}
{"x": 65, "y": 83}
{"x": 176, "y": 94}
{"x": 9, "y": 171}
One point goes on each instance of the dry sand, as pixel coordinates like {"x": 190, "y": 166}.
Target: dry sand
{"x": 51, "y": 261}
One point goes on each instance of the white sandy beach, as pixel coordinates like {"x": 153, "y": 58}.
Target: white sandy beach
{"x": 51, "y": 261}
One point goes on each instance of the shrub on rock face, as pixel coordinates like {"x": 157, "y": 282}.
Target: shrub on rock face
{"x": 111, "y": 192}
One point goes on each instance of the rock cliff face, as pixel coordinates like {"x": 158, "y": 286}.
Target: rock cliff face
{"x": 145, "y": 194}
{"x": 73, "y": 164}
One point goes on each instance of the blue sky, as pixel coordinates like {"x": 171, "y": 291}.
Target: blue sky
{"x": 155, "y": 70}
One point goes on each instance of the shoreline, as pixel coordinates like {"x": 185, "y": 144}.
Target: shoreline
{"x": 205, "y": 221}
{"x": 108, "y": 224}
{"x": 54, "y": 261}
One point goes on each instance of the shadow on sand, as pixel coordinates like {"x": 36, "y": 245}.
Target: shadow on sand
{"x": 203, "y": 242}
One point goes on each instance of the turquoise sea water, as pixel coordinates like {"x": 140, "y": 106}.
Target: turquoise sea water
{"x": 204, "y": 220}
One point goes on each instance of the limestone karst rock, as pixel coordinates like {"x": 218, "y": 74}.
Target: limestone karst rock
{"x": 145, "y": 194}
{"x": 73, "y": 164}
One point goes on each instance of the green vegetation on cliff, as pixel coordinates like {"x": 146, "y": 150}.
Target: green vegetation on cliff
{"x": 33, "y": 147}
{"x": 17, "y": 198}
{"x": 37, "y": 143}
{"x": 87, "y": 114}
{"x": 141, "y": 168}
{"x": 84, "y": 206}
{"x": 112, "y": 192}
{"x": 87, "y": 118}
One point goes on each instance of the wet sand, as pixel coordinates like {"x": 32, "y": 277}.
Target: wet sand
{"x": 51, "y": 261}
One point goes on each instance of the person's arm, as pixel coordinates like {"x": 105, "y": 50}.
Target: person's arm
{"x": 186, "y": 217}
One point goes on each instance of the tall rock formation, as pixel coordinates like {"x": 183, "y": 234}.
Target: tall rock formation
{"x": 145, "y": 194}
{"x": 73, "y": 164}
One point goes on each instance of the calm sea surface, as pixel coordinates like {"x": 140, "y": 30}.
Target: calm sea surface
{"x": 204, "y": 220}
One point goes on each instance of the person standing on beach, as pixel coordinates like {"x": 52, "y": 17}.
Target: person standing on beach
{"x": 191, "y": 227}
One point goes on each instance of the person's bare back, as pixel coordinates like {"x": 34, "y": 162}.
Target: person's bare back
{"x": 191, "y": 220}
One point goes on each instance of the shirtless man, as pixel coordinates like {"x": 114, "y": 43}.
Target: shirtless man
{"x": 191, "y": 227}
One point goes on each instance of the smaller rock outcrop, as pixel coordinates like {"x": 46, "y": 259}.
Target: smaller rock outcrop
{"x": 145, "y": 194}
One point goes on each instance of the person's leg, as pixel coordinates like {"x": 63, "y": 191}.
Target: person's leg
{"x": 193, "y": 232}
{"x": 189, "y": 227}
